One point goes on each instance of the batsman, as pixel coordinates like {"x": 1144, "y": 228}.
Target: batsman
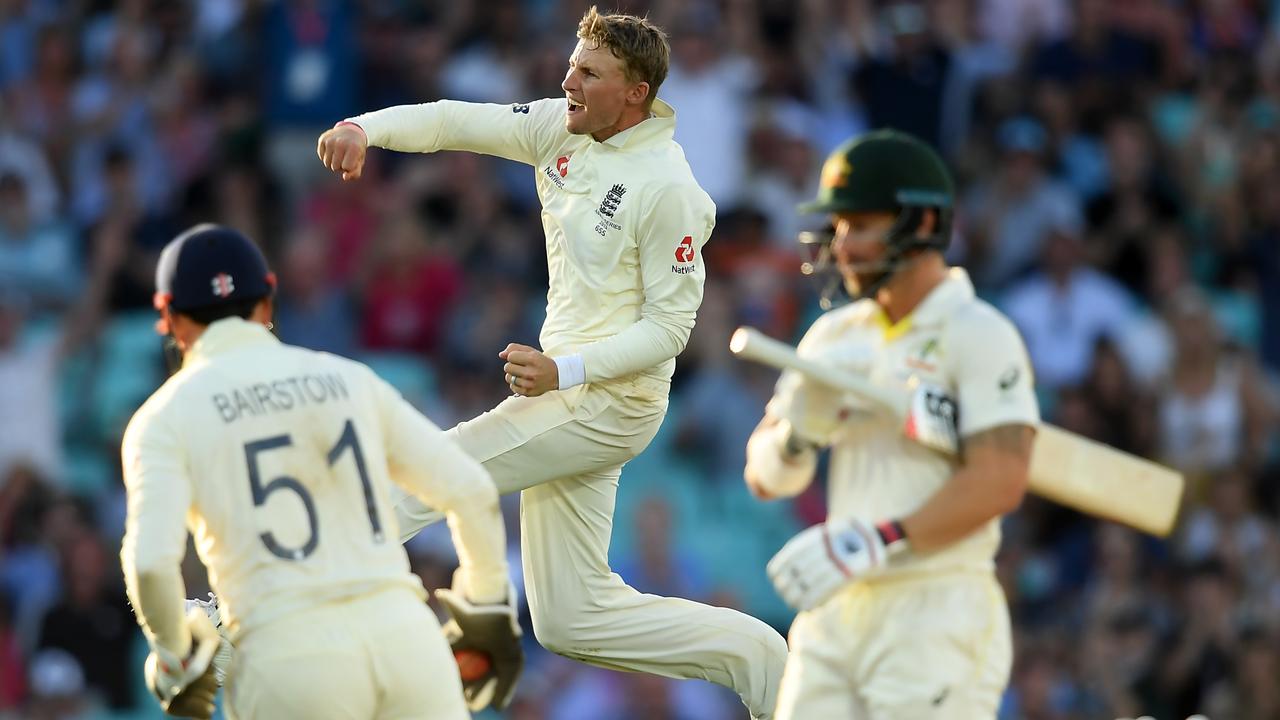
{"x": 900, "y": 614}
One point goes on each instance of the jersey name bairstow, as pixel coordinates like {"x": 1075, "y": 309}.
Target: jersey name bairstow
{"x": 279, "y": 395}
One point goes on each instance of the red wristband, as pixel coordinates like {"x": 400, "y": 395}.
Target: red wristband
{"x": 356, "y": 126}
{"x": 891, "y": 532}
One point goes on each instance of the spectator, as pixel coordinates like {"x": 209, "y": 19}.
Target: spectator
{"x": 1137, "y": 199}
{"x": 310, "y": 82}
{"x": 13, "y": 672}
{"x": 93, "y": 621}
{"x": 710, "y": 78}
{"x": 1066, "y": 309}
{"x": 112, "y": 111}
{"x": 656, "y": 566}
{"x": 1010, "y": 215}
{"x": 789, "y": 174}
{"x": 904, "y": 90}
{"x": 311, "y": 312}
{"x": 29, "y": 430}
{"x": 488, "y": 65}
{"x": 23, "y": 158}
{"x": 58, "y": 689}
{"x": 37, "y": 257}
{"x": 1213, "y": 409}
{"x": 411, "y": 285}
{"x": 41, "y": 107}
{"x": 1098, "y": 61}
{"x": 1254, "y": 693}
{"x": 1202, "y": 653}
{"x": 1229, "y": 524}
{"x": 723, "y": 397}
{"x": 29, "y": 574}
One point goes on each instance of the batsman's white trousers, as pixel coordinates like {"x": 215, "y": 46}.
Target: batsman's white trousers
{"x": 379, "y": 656}
{"x": 565, "y": 450}
{"x": 935, "y": 647}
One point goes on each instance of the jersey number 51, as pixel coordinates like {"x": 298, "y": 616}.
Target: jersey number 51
{"x": 283, "y": 482}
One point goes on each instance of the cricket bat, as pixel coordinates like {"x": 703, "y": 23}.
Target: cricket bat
{"x": 1066, "y": 468}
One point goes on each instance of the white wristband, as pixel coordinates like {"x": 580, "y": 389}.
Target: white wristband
{"x": 571, "y": 369}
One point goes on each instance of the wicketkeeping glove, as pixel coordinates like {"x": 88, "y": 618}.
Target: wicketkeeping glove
{"x": 222, "y": 658}
{"x": 186, "y": 687}
{"x": 494, "y": 631}
{"x": 819, "y": 561}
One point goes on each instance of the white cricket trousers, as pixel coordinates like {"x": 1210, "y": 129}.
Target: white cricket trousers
{"x": 565, "y": 450}
{"x": 380, "y": 656}
{"x": 933, "y": 647}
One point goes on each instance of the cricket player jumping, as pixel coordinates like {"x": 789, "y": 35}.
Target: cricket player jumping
{"x": 900, "y": 612}
{"x": 280, "y": 461}
{"x": 625, "y": 223}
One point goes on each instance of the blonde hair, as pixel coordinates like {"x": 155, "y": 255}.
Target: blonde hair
{"x": 639, "y": 44}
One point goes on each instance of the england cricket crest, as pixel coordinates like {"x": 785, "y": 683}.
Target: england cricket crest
{"x": 223, "y": 285}
{"x": 608, "y": 207}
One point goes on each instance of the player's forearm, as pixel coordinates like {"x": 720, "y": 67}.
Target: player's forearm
{"x": 155, "y": 534}
{"x": 440, "y": 125}
{"x": 973, "y": 496}
{"x": 481, "y": 542}
{"x": 650, "y": 341}
{"x": 157, "y": 594}
{"x": 463, "y": 491}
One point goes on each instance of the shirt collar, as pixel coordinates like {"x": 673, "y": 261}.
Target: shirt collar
{"x": 954, "y": 290}
{"x": 660, "y": 126}
{"x": 226, "y": 335}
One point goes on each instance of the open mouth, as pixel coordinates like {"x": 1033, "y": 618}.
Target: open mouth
{"x": 576, "y": 107}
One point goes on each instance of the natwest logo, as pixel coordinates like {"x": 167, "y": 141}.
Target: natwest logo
{"x": 562, "y": 165}
{"x": 684, "y": 251}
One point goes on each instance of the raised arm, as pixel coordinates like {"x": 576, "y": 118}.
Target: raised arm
{"x": 524, "y": 132}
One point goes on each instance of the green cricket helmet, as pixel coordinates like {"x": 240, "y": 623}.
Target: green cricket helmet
{"x": 882, "y": 171}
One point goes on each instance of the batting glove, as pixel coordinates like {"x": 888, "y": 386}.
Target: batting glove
{"x": 185, "y": 687}
{"x": 819, "y": 561}
{"x": 814, "y": 411}
{"x": 490, "y": 629}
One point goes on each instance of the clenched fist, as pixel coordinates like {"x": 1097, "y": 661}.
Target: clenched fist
{"x": 342, "y": 148}
{"x": 529, "y": 371}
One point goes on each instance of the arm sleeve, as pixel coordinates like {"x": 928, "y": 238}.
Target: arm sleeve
{"x": 994, "y": 383}
{"x": 158, "y": 488}
{"x": 790, "y": 381}
{"x": 426, "y": 463}
{"x": 524, "y": 132}
{"x": 671, "y": 235}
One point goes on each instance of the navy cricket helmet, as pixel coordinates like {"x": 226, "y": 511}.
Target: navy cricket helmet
{"x": 210, "y": 265}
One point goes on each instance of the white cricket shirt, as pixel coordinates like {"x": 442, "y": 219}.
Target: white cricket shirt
{"x": 280, "y": 460}
{"x": 624, "y": 220}
{"x": 952, "y": 340}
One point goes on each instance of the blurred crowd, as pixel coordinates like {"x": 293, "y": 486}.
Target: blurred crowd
{"x": 1119, "y": 171}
